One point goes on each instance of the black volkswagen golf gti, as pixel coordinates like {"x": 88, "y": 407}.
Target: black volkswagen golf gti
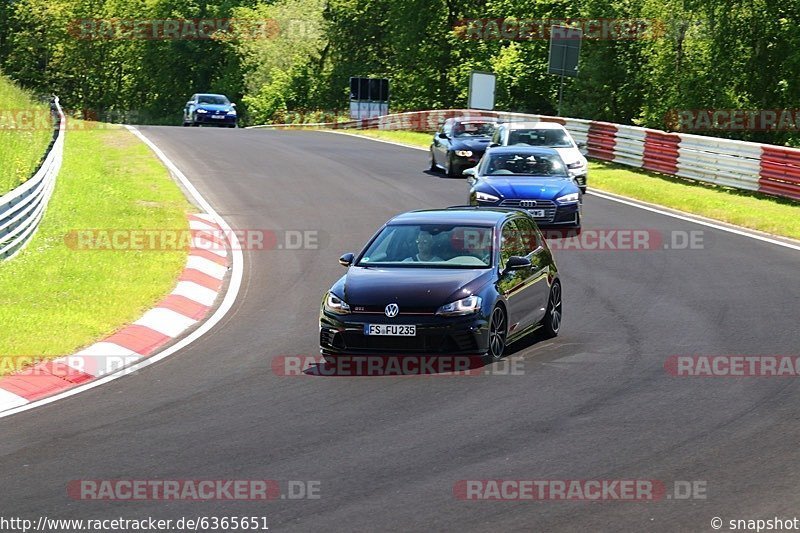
{"x": 463, "y": 280}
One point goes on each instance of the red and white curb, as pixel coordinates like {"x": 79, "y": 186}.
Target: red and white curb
{"x": 190, "y": 301}
{"x": 143, "y": 342}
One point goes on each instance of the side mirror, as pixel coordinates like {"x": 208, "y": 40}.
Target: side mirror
{"x": 442, "y": 136}
{"x": 516, "y": 262}
{"x": 347, "y": 259}
{"x": 189, "y": 103}
{"x": 493, "y": 144}
{"x": 470, "y": 171}
{"x": 233, "y": 104}
{"x": 581, "y": 145}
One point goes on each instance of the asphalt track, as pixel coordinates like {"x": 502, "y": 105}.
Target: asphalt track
{"x": 596, "y": 403}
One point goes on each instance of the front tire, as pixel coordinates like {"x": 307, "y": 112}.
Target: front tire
{"x": 554, "y": 313}
{"x": 434, "y": 168}
{"x": 498, "y": 333}
{"x": 448, "y": 168}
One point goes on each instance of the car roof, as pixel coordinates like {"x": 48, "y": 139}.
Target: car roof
{"x": 211, "y": 94}
{"x": 519, "y": 149}
{"x": 538, "y": 125}
{"x": 466, "y": 215}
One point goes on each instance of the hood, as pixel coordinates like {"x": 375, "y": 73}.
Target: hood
{"x": 410, "y": 288}
{"x": 527, "y": 187}
{"x": 215, "y": 107}
{"x": 570, "y": 155}
{"x": 478, "y": 144}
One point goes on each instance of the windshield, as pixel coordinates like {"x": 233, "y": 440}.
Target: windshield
{"x": 504, "y": 164}
{"x": 552, "y": 138}
{"x": 473, "y": 129}
{"x": 431, "y": 246}
{"x": 213, "y": 99}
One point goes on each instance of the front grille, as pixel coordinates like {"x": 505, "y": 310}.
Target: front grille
{"x": 548, "y": 206}
{"x": 356, "y": 340}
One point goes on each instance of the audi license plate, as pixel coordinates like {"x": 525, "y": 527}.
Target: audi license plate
{"x": 217, "y": 116}
{"x": 398, "y": 330}
{"x": 536, "y": 213}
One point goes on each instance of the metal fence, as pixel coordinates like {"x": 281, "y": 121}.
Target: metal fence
{"x": 769, "y": 169}
{"x": 22, "y": 209}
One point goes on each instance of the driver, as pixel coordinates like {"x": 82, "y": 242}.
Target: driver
{"x": 424, "y": 249}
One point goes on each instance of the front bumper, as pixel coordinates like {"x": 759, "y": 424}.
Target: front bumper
{"x": 462, "y": 163}
{"x": 555, "y": 215}
{"x": 580, "y": 179}
{"x": 435, "y": 335}
{"x": 208, "y": 118}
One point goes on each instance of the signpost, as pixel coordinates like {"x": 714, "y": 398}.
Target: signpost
{"x": 565, "y": 49}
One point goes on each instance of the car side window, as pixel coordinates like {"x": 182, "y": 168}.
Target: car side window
{"x": 531, "y": 239}
{"x": 511, "y": 242}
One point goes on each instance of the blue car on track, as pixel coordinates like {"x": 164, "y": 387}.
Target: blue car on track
{"x": 535, "y": 179}
{"x": 213, "y": 109}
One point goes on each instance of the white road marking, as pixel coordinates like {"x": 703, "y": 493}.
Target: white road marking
{"x": 237, "y": 272}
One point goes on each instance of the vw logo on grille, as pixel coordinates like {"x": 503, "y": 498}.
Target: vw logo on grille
{"x": 527, "y": 203}
{"x": 392, "y": 310}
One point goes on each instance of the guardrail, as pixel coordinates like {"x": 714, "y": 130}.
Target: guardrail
{"x": 22, "y": 209}
{"x": 768, "y": 169}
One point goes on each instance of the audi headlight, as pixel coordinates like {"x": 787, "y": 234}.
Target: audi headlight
{"x": 334, "y": 304}
{"x": 463, "y": 153}
{"x": 568, "y": 198}
{"x": 466, "y": 306}
{"x": 201, "y": 111}
{"x": 485, "y": 197}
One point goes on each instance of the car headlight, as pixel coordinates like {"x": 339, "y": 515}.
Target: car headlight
{"x": 463, "y": 153}
{"x": 201, "y": 111}
{"x": 466, "y": 306}
{"x": 568, "y": 198}
{"x": 334, "y": 304}
{"x": 485, "y": 197}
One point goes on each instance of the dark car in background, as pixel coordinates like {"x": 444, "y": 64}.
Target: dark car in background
{"x": 461, "y": 280}
{"x": 460, "y": 143}
{"x": 535, "y": 179}
{"x": 209, "y": 109}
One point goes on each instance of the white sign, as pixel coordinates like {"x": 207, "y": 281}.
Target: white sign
{"x": 481, "y": 90}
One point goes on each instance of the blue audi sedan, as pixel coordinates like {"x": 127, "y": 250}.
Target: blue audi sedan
{"x": 535, "y": 179}
{"x": 213, "y": 109}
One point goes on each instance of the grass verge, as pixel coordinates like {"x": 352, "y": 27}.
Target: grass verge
{"x": 54, "y": 299}
{"x": 24, "y": 136}
{"x": 742, "y": 208}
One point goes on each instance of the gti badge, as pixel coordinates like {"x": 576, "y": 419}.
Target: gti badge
{"x": 392, "y": 310}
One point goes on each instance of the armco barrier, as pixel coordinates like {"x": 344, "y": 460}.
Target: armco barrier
{"x": 22, "y": 209}
{"x": 764, "y": 168}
